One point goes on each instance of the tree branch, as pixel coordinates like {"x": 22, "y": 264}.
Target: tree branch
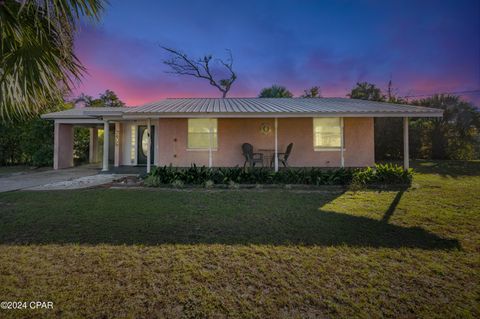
{"x": 181, "y": 64}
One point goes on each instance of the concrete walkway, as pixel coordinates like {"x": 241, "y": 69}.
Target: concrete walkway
{"x": 30, "y": 180}
{"x": 77, "y": 183}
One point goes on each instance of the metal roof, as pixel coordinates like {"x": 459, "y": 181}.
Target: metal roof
{"x": 250, "y": 107}
{"x": 285, "y": 106}
{"x": 85, "y": 113}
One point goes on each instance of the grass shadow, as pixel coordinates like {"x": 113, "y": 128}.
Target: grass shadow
{"x": 194, "y": 217}
{"x": 393, "y": 206}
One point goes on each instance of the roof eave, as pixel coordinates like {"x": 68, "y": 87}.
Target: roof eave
{"x": 51, "y": 116}
{"x": 140, "y": 115}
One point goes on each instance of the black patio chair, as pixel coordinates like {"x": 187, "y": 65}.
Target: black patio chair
{"x": 250, "y": 157}
{"x": 283, "y": 157}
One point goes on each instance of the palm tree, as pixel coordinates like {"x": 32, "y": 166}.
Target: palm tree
{"x": 37, "y": 63}
{"x": 275, "y": 91}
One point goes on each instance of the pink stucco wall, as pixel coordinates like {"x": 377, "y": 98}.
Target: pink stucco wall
{"x": 171, "y": 139}
{"x": 63, "y": 146}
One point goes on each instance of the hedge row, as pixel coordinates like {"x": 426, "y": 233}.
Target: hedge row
{"x": 385, "y": 174}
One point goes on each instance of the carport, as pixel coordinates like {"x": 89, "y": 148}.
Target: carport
{"x": 65, "y": 123}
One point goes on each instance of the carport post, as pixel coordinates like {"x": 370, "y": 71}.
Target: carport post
{"x": 149, "y": 143}
{"x": 63, "y": 146}
{"x": 106, "y": 134}
{"x": 276, "y": 145}
{"x": 406, "y": 154}
{"x": 342, "y": 144}
{"x": 210, "y": 142}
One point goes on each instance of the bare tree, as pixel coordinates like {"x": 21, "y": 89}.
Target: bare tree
{"x": 181, "y": 64}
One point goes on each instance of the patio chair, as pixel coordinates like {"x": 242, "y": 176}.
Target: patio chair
{"x": 250, "y": 157}
{"x": 283, "y": 157}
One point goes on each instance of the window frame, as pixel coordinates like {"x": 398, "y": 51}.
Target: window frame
{"x": 200, "y": 149}
{"x": 326, "y": 148}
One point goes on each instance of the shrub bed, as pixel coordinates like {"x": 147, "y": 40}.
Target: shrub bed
{"x": 380, "y": 174}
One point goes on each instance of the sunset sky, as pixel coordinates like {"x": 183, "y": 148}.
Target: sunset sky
{"x": 423, "y": 46}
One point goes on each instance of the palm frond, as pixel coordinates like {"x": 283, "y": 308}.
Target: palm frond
{"x": 37, "y": 61}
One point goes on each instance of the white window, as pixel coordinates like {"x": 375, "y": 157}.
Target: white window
{"x": 327, "y": 133}
{"x": 202, "y": 133}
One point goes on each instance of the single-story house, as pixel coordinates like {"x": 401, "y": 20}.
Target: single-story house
{"x": 325, "y": 132}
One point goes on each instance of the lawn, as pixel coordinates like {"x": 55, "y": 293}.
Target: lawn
{"x": 258, "y": 253}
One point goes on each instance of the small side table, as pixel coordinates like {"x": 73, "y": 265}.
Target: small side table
{"x": 268, "y": 155}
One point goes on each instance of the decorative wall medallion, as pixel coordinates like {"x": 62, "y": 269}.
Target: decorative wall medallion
{"x": 265, "y": 128}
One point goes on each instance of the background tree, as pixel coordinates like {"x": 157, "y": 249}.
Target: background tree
{"x": 366, "y": 91}
{"x": 81, "y": 144}
{"x": 275, "y": 91}
{"x": 454, "y": 136}
{"x": 108, "y": 99}
{"x": 314, "y": 91}
{"x": 201, "y": 68}
{"x": 28, "y": 141}
{"x": 37, "y": 62}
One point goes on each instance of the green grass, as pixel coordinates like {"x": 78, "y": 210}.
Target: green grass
{"x": 248, "y": 253}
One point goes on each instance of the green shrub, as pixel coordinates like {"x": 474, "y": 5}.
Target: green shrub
{"x": 178, "y": 183}
{"x": 233, "y": 185}
{"x": 379, "y": 174}
{"x": 152, "y": 181}
{"x": 209, "y": 184}
{"x": 383, "y": 174}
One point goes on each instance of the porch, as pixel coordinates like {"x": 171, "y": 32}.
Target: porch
{"x": 139, "y": 144}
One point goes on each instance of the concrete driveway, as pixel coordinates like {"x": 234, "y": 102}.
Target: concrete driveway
{"x": 34, "y": 180}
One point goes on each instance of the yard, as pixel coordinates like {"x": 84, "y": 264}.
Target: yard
{"x": 257, "y": 253}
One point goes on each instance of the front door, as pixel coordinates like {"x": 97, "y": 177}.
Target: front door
{"x": 142, "y": 144}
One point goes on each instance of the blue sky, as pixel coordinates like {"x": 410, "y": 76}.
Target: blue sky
{"x": 423, "y": 46}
